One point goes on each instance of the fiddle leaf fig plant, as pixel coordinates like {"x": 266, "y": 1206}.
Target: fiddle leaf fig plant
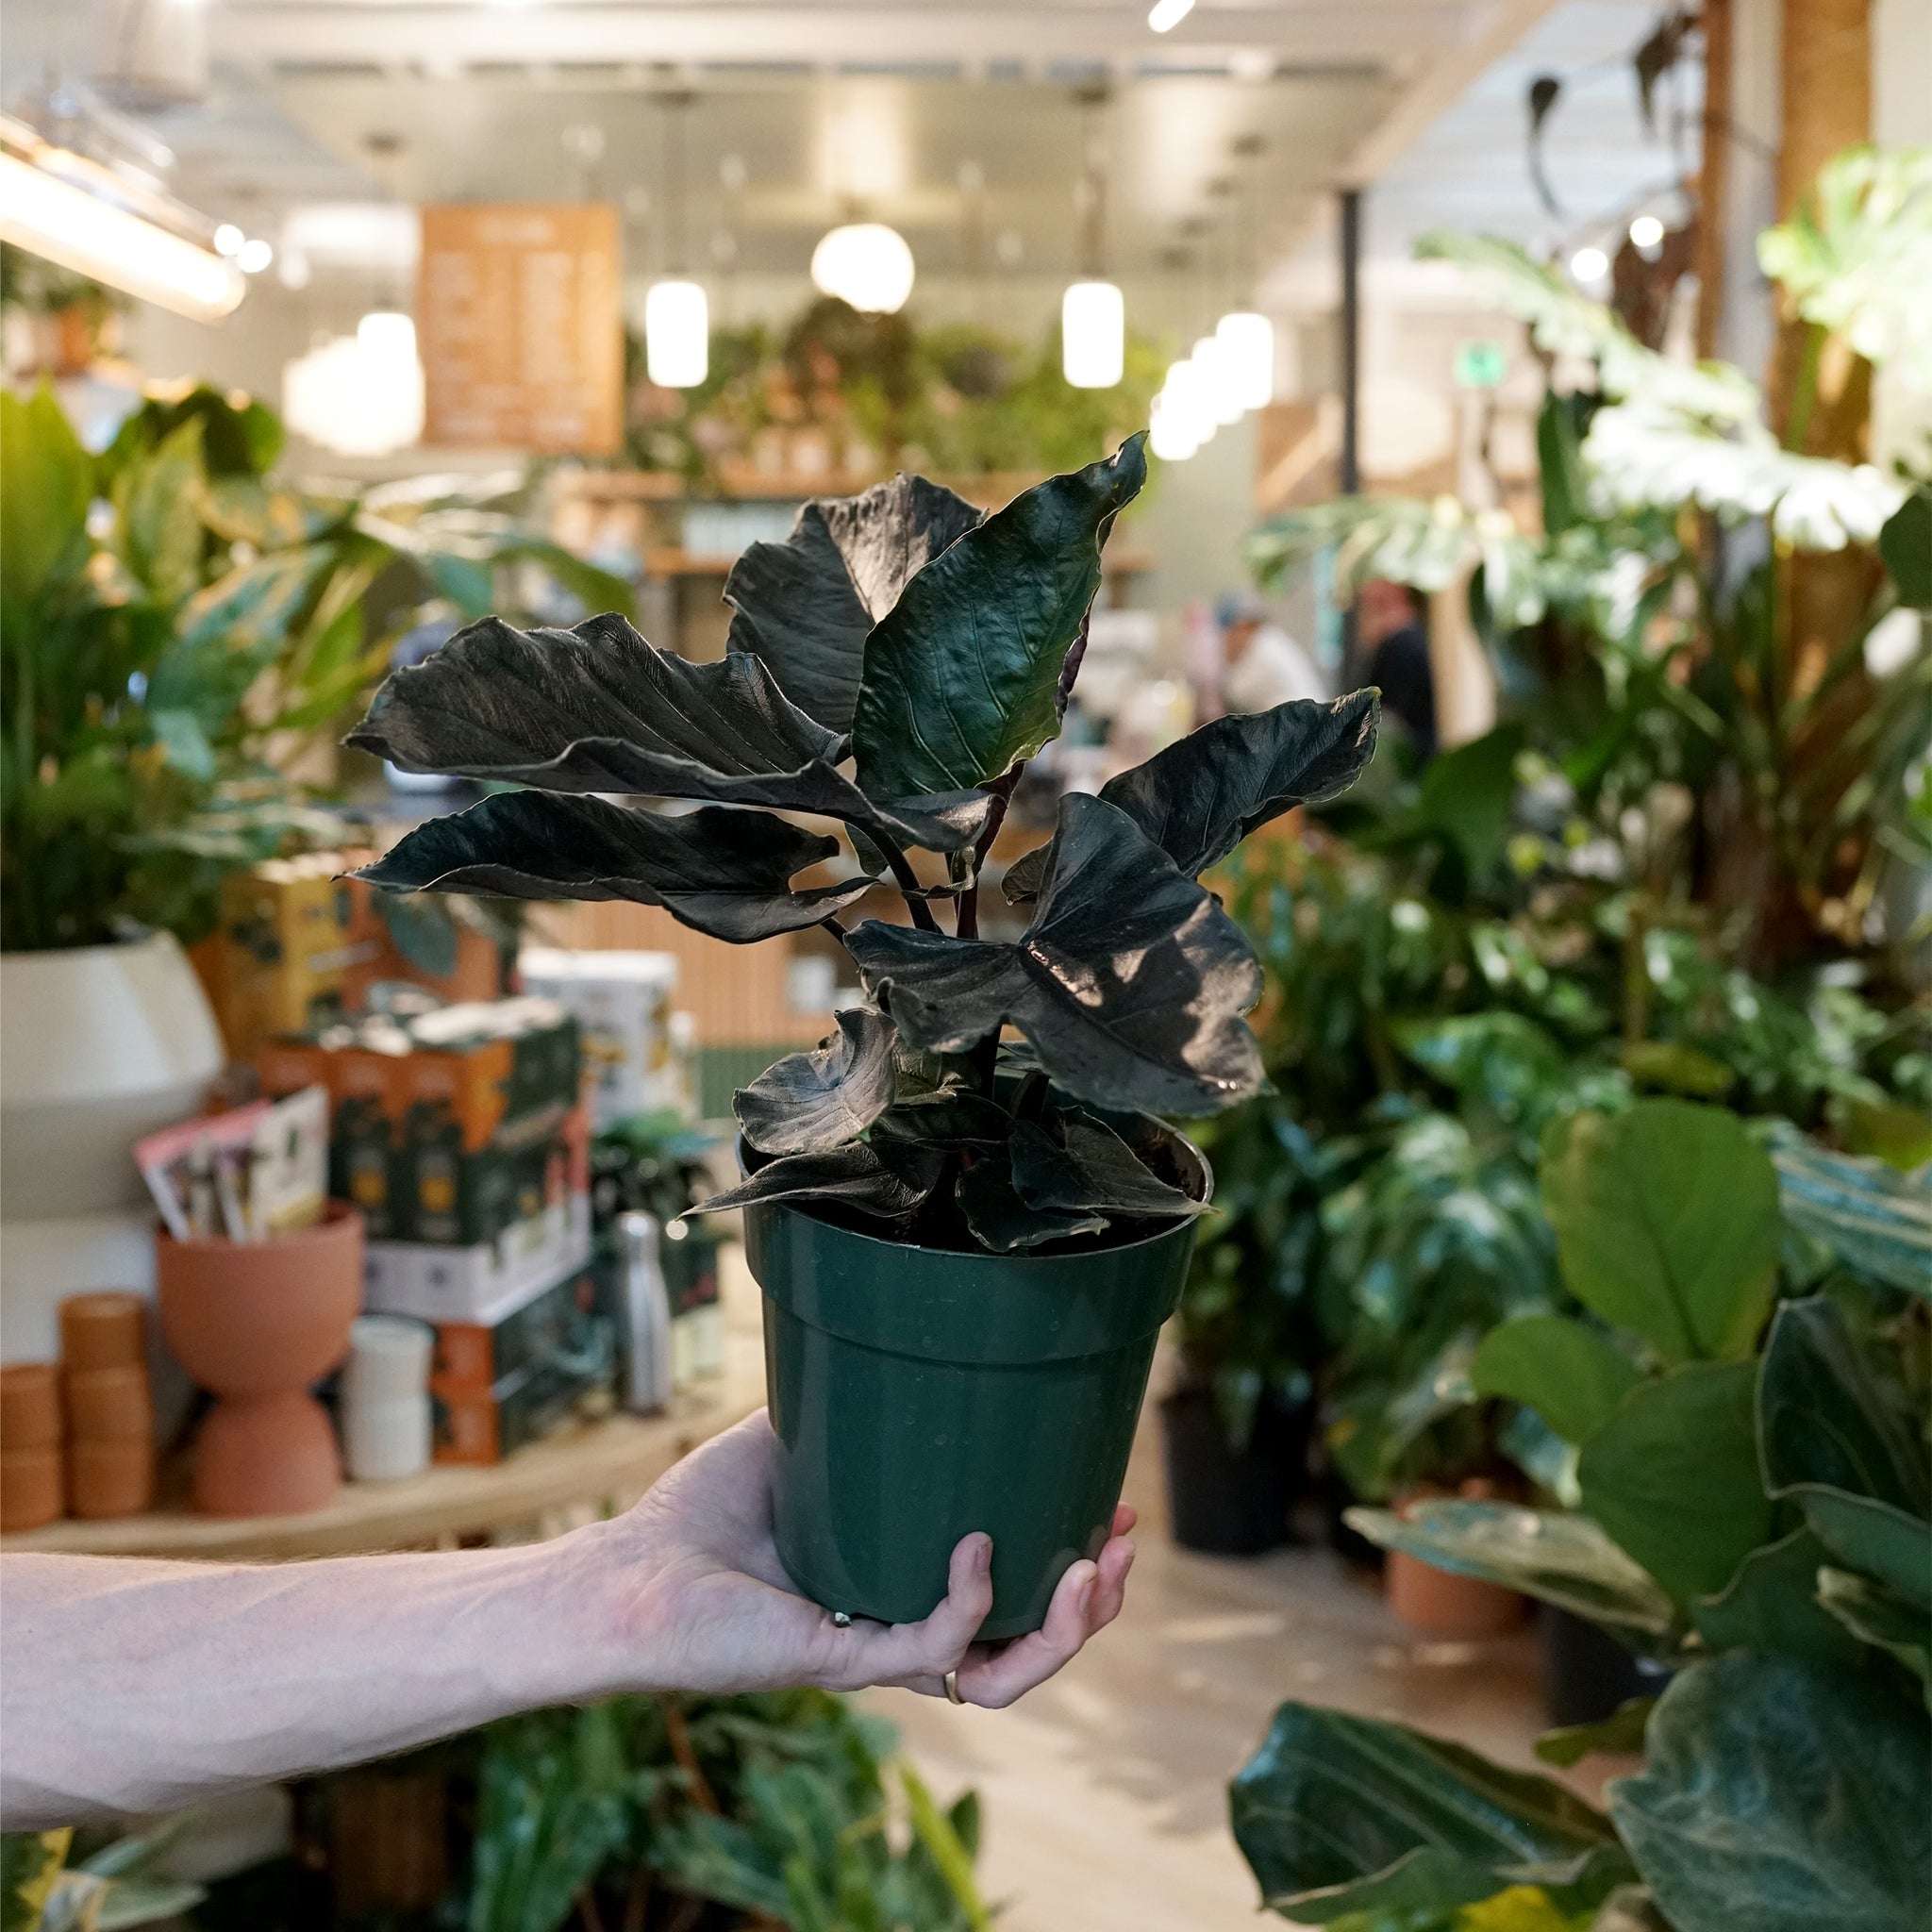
{"x": 892, "y": 666}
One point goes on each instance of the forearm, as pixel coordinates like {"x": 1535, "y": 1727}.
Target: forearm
{"x": 144, "y": 1686}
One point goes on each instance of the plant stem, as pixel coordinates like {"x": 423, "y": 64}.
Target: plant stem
{"x": 1805, "y": 391}
{"x": 985, "y": 1059}
{"x": 909, "y": 882}
{"x": 1031, "y": 1100}
{"x": 967, "y": 924}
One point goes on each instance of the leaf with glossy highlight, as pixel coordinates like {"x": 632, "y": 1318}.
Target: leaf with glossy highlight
{"x": 960, "y": 680}
{"x": 1130, "y": 982}
{"x": 1090, "y": 1166}
{"x": 1202, "y": 795}
{"x": 805, "y": 606}
{"x": 723, "y": 872}
{"x": 1573, "y": 1377}
{"x": 809, "y": 1103}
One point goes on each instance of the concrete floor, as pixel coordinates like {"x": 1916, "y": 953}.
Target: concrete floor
{"x": 1103, "y": 1793}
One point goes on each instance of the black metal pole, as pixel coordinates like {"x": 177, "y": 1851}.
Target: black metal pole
{"x": 1351, "y": 467}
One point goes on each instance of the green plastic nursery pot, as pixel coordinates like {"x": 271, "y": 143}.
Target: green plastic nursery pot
{"x": 919, "y": 1395}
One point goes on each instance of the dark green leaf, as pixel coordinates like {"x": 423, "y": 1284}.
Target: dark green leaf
{"x": 49, "y": 484}
{"x": 1782, "y": 1797}
{"x": 159, "y": 501}
{"x": 1906, "y": 545}
{"x": 1772, "y": 1603}
{"x": 857, "y": 1175}
{"x": 598, "y": 709}
{"x": 1555, "y": 1556}
{"x": 805, "y": 606}
{"x": 1465, "y": 797}
{"x": 1875, "y": 1539}
{"x": 1570, "y": 1374}
{"x": 1672, "y": 1476}
{"x": 1871, "y": 1217}
{"x": 1667, "y": 1223}
{"x": 1879, "y": 1616}
{"x": 723, "y": 872}
{"x": 1339, "y": 1814}
{"x": 1619, "y": 1733}
{"x": 1823, "y": 1418}
{"x": 1204, "y": 794}
{"x": 961, "y": 677}
{"x": 1090, "y": 1166}
{"x": 1001, "y": 1221}
{"x": 809, "y": 1103}
{"x": 1130, "y": 981}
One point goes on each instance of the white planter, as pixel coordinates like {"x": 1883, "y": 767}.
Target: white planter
{"x": 99, "y": 1045}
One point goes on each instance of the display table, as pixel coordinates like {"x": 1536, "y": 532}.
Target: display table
{"x": 584, "y": 1470}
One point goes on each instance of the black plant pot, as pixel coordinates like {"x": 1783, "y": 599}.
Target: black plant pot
{"x": 1221, "y": 1501}
{"x": 1587, "y": 1674}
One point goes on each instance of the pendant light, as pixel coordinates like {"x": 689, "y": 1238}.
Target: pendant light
{"x": 1220, "y": 392}
{"x": 1247, "y": 337}
{"x": 865, "y": 263}
{"x": 678, "y": 318}
{"x": 1094, "y": 313}
{"x": 359, "y": 395}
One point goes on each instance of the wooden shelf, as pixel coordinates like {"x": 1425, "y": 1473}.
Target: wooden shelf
{"x": 579, "y": 1470}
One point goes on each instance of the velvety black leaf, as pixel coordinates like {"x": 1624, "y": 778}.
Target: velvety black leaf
{"x": 1822, "y": 1417}
{"x": 1199, "y": 798}
{"x": 809, "y": 1103}
{"x": 1339, "y": 1814}
{"x": 1783, "y": 1797}
{"x": 805, "y": 604}
{"x": 950, "y": 1118}
{"x": 1088, "y": 1166}
{"x": 723, "y": 872}
{"x": 856, "y": 1176}
{"x": 1001, "y": 1221}
{"x": 961, "y": 677}
{"x": 598, "y": 709}
{"x": 1130, "y": 982}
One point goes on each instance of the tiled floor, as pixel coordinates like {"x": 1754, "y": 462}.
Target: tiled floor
{"x": 1104, "y": 1793}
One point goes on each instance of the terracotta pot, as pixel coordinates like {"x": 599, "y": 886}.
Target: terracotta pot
{"x": 110, "y": 1478}
{"x": 103, "y": 1331}
{"x": 29, "y": 1406}
{"x": 1445, "y": 1604}
{"x": 110, "y": 1406}
{"x": 30, "y": 1489}
{"x": 258, "y": 1323}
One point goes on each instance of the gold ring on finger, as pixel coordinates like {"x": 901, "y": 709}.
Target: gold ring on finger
{"x": 953, "y": 1687}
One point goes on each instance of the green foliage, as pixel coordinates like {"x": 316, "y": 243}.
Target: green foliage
{"x": 1570, "y": 1373}
{"x": 156, "y": 672}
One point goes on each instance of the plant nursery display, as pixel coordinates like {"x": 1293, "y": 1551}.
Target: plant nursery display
{"x": 1741, "y": 1492}
{"x": 966, "y": 1247}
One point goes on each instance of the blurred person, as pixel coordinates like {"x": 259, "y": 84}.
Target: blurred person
{"x": 1395, "y": 642}
{"x": 1265, "y": 667}
{"x": 136, "y": 1686}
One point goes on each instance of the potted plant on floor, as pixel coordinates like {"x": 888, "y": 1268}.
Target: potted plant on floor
{"x": 966, "y": 1247}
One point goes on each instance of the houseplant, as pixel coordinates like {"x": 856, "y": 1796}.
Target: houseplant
{"x": 966, "y": 1249}
{"x": 1741, "y": 1394}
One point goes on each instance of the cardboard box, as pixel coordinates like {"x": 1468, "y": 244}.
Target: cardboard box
{"x": 485, "y": 1426}
{"x": 547, "y": 1326}
{"x": 622, "y": 1004}
{"x": 475, "y": 1283}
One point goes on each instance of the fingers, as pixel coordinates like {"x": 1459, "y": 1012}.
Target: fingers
{"x": 1088, "y": 1599}
{"x": 1125, "y": 1518}
{"x": 898, "y": 1652}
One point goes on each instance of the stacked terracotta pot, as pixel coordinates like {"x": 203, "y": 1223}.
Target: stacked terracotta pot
{"x": 32, "y": 1491}
{"x": 110, "y": 1409}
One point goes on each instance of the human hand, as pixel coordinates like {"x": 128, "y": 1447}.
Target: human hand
{"x": 705, "y": 1604}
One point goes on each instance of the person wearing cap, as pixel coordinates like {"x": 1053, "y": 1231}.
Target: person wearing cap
{"x": 1265, "y": 667}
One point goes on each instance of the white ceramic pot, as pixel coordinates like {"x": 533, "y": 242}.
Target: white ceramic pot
{"x": 99, "y": 1045}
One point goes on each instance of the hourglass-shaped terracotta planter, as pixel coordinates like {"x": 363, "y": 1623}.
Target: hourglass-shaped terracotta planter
{"x": 258, "y": 1323}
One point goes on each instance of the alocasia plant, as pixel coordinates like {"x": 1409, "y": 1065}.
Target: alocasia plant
{"x": 892, "y": 666}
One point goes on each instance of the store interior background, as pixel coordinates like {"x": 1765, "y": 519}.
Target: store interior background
{"x": 1222, "y": 153}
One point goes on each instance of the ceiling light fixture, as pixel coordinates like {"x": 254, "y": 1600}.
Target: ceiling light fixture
{"x": 253, "y": 257}
{"x": 1589, "y": 264}
{"x": 1220, "y": 391}
{"x": 359, "y": 395}
{"x": 58, "y": 205}
{"x": 1094, "y": 312}
{"x": 1167, "y": 14}
{"x": 1646, "y": 231}
{"x": 866, "y": 264}
{"x": 1247, "y": 347}
{"x": 678, "y": 318}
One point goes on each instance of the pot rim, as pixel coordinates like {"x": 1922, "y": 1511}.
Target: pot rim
{"x": 986, "y": 1255}
{"x": 330, "y": 1228}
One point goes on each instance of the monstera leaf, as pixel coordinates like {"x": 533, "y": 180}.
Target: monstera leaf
{"x": 598, "y": 709}
{"x": 1130, "y": 982}
{"x": 888, "y": 1184}
{"x": 1339, "y": 1814}
{"x": 805, "y": 606}
{"x": 1782, "y": 1796}
{"x": 809, "y": 1103}
{"x": 961, "y": 678}
{"x": 723, "y": 872}
{"x": 1199, "y": 798}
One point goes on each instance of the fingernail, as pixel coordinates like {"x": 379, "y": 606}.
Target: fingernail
{"x": 1133, "y": 1551}
{"x": 1086, "y": 1596}
{"x": 982, "y": 1555}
